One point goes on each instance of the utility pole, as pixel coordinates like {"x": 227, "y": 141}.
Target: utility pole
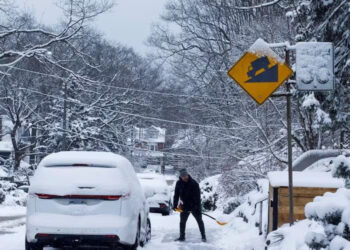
{"x": 290, "y": 149}
{"x": 64, "y": 141}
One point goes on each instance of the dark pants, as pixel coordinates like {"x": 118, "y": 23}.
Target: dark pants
{"x": 183, "y": 219}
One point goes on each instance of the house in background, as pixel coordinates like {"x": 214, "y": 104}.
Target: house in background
{"x": 5, "y": 139}
{"x": 148, "y": 143}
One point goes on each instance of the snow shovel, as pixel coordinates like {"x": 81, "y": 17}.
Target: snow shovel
{"x": 211, "y": 217}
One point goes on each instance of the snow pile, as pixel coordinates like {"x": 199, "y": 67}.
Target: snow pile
{"x": 288, "y": 238}
{"x": 239, "y": 235}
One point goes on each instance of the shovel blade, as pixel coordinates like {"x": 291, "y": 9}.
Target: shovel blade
{"x": 221, "y": 223}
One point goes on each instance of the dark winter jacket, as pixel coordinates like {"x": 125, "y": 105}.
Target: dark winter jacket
{"x": 189, "y": 193}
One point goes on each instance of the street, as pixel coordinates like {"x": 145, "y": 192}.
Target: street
{"x": 164, "y": 232}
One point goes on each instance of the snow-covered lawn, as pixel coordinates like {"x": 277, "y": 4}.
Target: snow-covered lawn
{"x": 237, "y": 235}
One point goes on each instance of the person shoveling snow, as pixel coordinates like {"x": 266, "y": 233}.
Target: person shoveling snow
{"x": 188, "y": 191}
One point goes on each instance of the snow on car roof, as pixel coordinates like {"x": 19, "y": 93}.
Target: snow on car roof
{"x": 305, "y": 179}
{"x": 65, "y": 158}
{"x": 118, "y": 177}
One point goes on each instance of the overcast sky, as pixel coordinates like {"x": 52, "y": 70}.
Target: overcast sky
{"x": 129, "y": 22}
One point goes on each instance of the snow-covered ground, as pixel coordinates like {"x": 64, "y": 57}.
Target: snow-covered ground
{"x": 237, "y": 235}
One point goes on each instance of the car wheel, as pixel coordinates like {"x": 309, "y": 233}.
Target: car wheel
{"x": 148, "y": 231}
{"x": 33, "y": 246}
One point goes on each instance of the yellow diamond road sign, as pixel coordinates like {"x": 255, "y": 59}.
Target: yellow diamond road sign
{"x": 260, "y": 71}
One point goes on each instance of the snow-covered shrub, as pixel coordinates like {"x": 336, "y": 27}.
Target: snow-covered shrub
{"x": 209, "y": 192}
{"x": 231, "y": 205}
{"x": 10, "y": 195}
{"x": 341, "y": 169}
{"x": 316, "y": 241}
{"x": 2, "y": 195}
{"x": 329, "y": 207}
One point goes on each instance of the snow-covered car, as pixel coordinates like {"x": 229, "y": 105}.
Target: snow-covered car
{"x": 157, "y": 192}
{"x": 86, "y": 199}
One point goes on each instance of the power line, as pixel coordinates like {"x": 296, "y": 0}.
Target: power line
{"x": 130, "y": 114}
{"x": 130, "y": 147}
{"x": 131, "y": 89}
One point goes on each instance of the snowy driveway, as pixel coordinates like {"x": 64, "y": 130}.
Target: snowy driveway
{"x": 164, "y": 230}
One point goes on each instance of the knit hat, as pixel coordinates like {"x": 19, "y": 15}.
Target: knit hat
{"x": 183, "y": 172}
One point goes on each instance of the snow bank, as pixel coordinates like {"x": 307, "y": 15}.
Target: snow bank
{"x": 305, "y": 179}
{"x": 12, "y": 211}
{"x": 293, "y": 238}
{"x": 239, "y": 235}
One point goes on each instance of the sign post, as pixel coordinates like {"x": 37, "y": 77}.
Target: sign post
{"x": 260, "y": 72}
{"x": 290, "y": 148}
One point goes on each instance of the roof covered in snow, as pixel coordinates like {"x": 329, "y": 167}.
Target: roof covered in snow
{"x": 305, "y": 179}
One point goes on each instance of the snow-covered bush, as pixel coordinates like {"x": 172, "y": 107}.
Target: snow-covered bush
{"x": 231, "y": 205}
{"x": 10, "y": 195}
{"x": 2, "y": 195}
{"x": 341, "y": 169}
{"x": 316, "y": 241}
{"x": 210, "y": 192}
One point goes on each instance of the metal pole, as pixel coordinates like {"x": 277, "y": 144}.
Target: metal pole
{"x": 290, "y": 150}
{"x": 64, "y": 142}
{"x": 260, "y": 219}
